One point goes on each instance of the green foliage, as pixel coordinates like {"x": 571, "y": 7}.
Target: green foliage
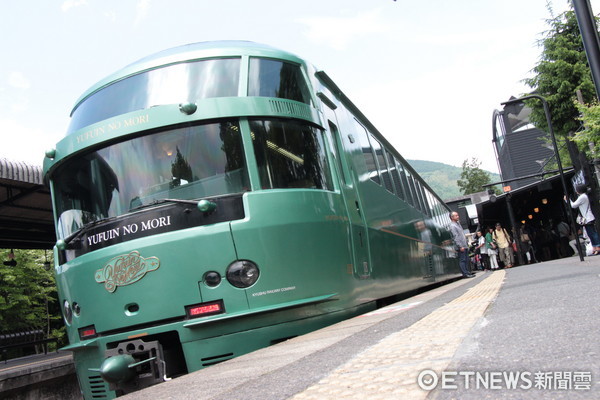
{"x": 439, "y": 176}
{"x": 588, "y": 139}
{"x": 561, "y": 72}
{"x": 28, "y": 295}
{"x": 442, "y": 177}
{"x": 472, "y": 178}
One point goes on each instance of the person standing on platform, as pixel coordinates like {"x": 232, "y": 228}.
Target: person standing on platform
{"x": 492, "y": 249}
{"x": 460, "y": 244}
{"x": 586, "y": 216}
{"x": 483, "y": 250}
{"x": 526, "y": 235}
{"x": 504, "y": 245}
{"x": 564, "y": 233}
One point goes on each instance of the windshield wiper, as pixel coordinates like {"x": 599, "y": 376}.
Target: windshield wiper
{"x": 202, "y": 205}
{"x": 85, "y": 227}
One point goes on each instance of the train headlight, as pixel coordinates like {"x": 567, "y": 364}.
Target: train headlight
{"x": 67, "y": 312}
{"x": 242, "y": 274}
{"x": 212, "y": 278}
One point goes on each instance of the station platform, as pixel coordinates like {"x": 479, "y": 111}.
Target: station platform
{"x": 526, "y": 332}
{"x": 44, "y": 376}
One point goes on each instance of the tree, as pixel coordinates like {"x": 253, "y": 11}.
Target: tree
{"x": 181, "y": 170}
{"x": 588, "y": 139}
{"x": 563, "y": 77}
{"x": 28, "y": 297}
{"x": 472, "y": 178}
{"x": 561, "y": 72}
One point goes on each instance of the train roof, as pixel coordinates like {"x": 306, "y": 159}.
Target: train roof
{"x": 192, "y": 51}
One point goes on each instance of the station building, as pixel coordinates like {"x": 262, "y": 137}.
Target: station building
{"x": 533, "y": 197}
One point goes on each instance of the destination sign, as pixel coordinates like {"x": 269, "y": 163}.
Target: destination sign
{"x": 162, "y": 218}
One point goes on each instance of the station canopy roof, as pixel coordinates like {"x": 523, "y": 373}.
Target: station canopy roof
{"x": 26, "y": 220}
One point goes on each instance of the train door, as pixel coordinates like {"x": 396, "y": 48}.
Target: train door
{"x": 356, "y": 219}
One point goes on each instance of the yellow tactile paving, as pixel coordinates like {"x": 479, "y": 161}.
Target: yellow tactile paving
{"x": 389, "y": 369}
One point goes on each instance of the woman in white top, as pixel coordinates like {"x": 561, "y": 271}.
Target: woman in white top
{"x": 491, "y": 249}
{"x": 583, "y": 203}
{"x": 483, "y": 250}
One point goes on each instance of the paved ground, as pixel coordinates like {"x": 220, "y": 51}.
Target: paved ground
{"x": 527, "y": 332}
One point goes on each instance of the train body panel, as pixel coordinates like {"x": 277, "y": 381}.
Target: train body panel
{"x": 109, "y": 298}
{"x": 307, "y": 239}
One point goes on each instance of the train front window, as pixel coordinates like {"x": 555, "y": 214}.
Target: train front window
{"x": 186, "y": 163}
{"x": 272, "y": 78}
{"x": 290, "y": 154}
{"x": 173, "y": 84}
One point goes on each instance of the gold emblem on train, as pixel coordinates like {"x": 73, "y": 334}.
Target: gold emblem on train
{"x": 125, "y": 269}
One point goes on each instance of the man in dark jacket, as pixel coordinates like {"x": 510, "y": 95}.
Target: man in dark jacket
{"x": 460, "y": 244}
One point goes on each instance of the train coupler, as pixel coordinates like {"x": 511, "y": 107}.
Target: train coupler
{"x": 134, "y": 365}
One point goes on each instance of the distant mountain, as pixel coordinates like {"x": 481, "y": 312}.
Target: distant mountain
{"x": 442, "y": 177}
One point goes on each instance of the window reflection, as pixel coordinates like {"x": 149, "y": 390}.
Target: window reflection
{"x": 173, "y": 84}
{"x": 367, "y": 152}
{"x": 500, "y": 132}
{"x": 411, "y": 186}
{"x": 185, "y": 163}
{"x": 395, "y": 175}
{"x": 290, "y": 154}
{"x": 404, "y": 179}
{"x": 272, "y": 78}
{"x": 424, "y": 199}
{"x": 383, "y": 169}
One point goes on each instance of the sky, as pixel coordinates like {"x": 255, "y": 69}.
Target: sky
{"x": 428, "y": 74}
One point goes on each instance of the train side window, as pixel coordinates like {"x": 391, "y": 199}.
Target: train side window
{"x": 419, "y": 201}
{"x": 427, "y": 199}
{"x": 290, "y": 154}
{"x": 274, "y": 78}
{"x": 419, "y": 188}
{"x": 413, "y": 189}
{"x": 337, "y": 152}
{"x": 394, "y": 175}
{"x": 383, "y": 170}
{"x": 411, "y": 186}
{"x": 436, "y": 210}
{"x": 404, "y": 180}
{"x": 367, "y": 152}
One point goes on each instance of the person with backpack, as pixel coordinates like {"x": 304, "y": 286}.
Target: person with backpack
{"x": 505, "y": 249}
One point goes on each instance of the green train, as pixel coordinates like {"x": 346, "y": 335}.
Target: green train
{"x": 220, "y": 197}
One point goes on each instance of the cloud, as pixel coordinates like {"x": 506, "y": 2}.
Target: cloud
{"x": 339, "y": 32}
{"x": 38, "y": 142}
{"x": 142, "y": 7}
{"x": 68, "y": 4}
{"x": 111, "y": 15}
{"x": 18, "y": 80}
{"x": 505, "y": 36}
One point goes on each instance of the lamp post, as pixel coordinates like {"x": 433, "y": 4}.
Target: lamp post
{"x": 560, "y": 169}
{"x": 515, "y": 233}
